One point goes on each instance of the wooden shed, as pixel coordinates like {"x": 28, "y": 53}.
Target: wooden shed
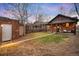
{"x": 62, "y": 23}
{"x": 9, "y": 29}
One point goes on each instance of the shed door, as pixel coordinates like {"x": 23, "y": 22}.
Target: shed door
{"x": 21, "y": 30}
{"x": 6, "y": 32}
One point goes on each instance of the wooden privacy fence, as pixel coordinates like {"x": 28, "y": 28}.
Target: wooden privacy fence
{"x": 36, "y": 28}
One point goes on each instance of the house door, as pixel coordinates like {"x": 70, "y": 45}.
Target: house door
{"x": 6, "y": 32}
{"x": 58, "y": 28}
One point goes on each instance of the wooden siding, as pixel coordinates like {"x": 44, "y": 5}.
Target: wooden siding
{"x": 62, "y": 27}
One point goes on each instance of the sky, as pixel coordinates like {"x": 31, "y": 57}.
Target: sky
{"x": 50, "y": 10}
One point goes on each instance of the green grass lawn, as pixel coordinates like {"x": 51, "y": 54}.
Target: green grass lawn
{"x": 35, "y": 34}
{"x": 52, "y": 38}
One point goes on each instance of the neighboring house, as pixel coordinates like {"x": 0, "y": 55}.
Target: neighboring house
{"x": 36, "y": 27}
{"x": 62, "y": 23}
{"x": 10, "y": 29}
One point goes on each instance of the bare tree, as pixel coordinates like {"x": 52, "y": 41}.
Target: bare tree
{"x": 20, "y": 12}
{"x": 62, "y": 10}
{"x": 40, "y": 14}
{"x": 76, "y": 8}
{"x": 41, "y": 18}
{"x": 38, "y": 8}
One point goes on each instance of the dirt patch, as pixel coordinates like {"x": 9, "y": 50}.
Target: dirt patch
{"x": 33, "y": 48}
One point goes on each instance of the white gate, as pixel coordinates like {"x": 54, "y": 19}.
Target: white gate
{"x": 6, "y": 32}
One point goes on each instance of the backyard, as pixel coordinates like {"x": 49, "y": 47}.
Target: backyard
{"x": 42, "y": 44}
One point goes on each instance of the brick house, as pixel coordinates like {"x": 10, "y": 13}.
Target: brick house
{"x": 9, "y": 29}
{"x": 62, "y": 23}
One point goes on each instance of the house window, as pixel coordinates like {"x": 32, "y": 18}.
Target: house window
{"x": 67, "y": 24}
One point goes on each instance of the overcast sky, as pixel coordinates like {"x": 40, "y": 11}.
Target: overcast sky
{"x": 49, "y": 9}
